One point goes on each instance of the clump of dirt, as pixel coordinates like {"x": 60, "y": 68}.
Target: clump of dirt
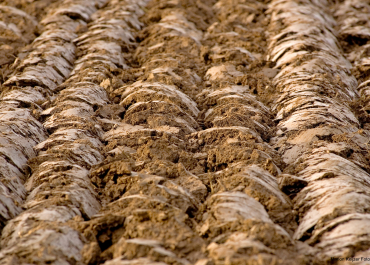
{"x": 225, "y": 146}
{"x": 159, "y": 156}
{"x": 101, "y": 233}
{"x": 224, "y": 155}
{"x": 143, "y": 218}
{"x": 263, "y": 232}
{"x": 110, "y": 176}
{"x": 158, "y": 114}
{"x": 226, "y": 242}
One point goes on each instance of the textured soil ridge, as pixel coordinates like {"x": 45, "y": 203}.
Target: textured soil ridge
{"x": 214, "y": 132}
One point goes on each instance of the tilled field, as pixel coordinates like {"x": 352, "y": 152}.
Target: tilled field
{"x": 185, "y": 132}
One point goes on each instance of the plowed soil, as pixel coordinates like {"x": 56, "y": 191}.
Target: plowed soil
{"x": 184, "y": 132}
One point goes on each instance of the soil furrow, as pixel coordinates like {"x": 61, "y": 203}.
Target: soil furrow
{"x": 60, "y": 190}
{"x": 26, "y": 93}
{"x": 149, "y": 192}
{"x": 317, "y": 135}
{"x": 245, "y": 201}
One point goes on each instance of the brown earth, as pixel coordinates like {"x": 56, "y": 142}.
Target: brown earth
{"x": 162, "y": 139}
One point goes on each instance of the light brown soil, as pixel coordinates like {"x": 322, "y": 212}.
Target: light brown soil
{"x": 162, "y": 140}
